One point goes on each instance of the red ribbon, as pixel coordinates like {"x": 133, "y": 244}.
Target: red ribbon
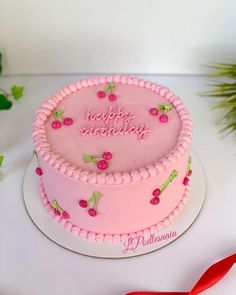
{"x": 212, "y": 275}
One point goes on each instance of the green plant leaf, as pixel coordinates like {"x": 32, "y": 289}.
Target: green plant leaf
{"x": 0, "y": 62}
{"x": 1, "y": 160}
{"x": 17, "y": 91}
{"x": 224, "y": 91}
{"x": 5, "y": 104}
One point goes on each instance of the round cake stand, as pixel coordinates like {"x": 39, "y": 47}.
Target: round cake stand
{"x": 132, "y": 247}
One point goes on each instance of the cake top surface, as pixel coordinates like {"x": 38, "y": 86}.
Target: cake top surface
{"x": 114, "y": 124}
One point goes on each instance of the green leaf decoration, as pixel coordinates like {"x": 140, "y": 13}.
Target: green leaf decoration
{"x": 59, "y": 113}
{"x": 5, "y": 104}
{"x": 0, "y": 63}
{"x": 225, "y": 93}
{"x": 88, "y": 158}
{"x": 1, "y": 160}
{"x": 96, "y": 195}
{"x": 17, "y": 91}
{"x": 165, "y": 107}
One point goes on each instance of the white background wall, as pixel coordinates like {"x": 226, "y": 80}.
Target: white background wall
{"x": 143, "y": 36}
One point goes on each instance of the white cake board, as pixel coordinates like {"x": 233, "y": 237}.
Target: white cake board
{"x": 142, "y": 245}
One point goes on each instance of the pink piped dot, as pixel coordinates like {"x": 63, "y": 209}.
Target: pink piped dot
{"x": 101, "y": 94}
{"x": 68, "y": 121}
{"x": 56, "y": 124}
{"x": 186, "y": 180}
{"x": 39, "y": 171}
{"x": 102, "y": 164}
{"x": 156, "y": 192}
{"x": 190, "y": 172}
{"x": 153, "y": 111}
{"x": 163, "y": 118}
{"x": 83, "y": 203}
{"x": 107, "y": 156}
{"x": 92, "y": 212}
{"x": 57, "y": 212}
{"x": 65, "y": 215}
{"x": 112, "y": 97}
{"x": 155, "y": 201}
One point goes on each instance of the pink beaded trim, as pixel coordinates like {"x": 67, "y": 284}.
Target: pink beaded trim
{"x": 116, "y": 238}
{"x": 44, "y": 152}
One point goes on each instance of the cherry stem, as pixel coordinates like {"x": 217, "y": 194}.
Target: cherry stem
{"x": 35, "y": 153}
{"x": 58, "y": 114}
{"x": 110, "y": 87}
{"x": 91, "y": 158}
{"x": 97, "y": 156}
{"x": 172, "y": 176}
{"x": 189, "y": 164}
{"x": 96, "y": 196}
{"x": 55, "y": 205}
{"x": 165, "y": 107}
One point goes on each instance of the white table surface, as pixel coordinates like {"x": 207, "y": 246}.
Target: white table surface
{"x": 32, "y": 264}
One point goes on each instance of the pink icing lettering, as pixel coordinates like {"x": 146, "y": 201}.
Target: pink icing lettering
{"x": 111, "y": 118}
{"x": 88, "y": 115}
{"x": 98, "y": 117}
{"x": 84, "y": 130}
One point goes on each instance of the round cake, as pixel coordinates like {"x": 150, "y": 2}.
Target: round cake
{"x": 113, "y": 157}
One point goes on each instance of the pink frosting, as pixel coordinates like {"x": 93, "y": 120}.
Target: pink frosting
{"x": 158, "y": 148}
{"x": 138, "y": 165}
{"x": 113, "y": 238}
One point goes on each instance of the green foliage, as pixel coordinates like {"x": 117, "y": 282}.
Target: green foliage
{"x": 17, "y": 92}
{"x": 225, "y": 88}
{"x": 59, "y": 114}
{"x": 1, "y": 160}
{"x": 5, "y": 104}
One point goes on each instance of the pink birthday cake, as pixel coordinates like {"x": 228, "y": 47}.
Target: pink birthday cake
{"x": 113, "y": 157}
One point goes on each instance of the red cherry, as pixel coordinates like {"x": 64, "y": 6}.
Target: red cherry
{"x": 65, "y": 215}
{"x": 107, "y": 155}
{"x": 92, "y": 212}
{"x": 190, "y": 172}
{"x": 68, "y": 121}
{"x": 56, "y": 124}
{"x": 102, "y": 164}
{"x": 57, "y": 212}
{"x": 186, "y": 180}
{"x": 39, "y": 171}
{"x": 155, "y": 201}
{"x": 163, "y": 118}
{"x": 101, "y": 94}
{"x": 153, "y": 111}
{"x": 112, "y": 97}
{"x": 83, "y": 203}
{"x": 156, "y": 192}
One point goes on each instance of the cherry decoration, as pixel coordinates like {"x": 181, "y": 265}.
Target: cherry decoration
{"x": 108, "y": 90}
{"x": 38, "y": 169}
{"x": 188, "y": 172}
{"x": 162, "y": 109}
{"x": 60, "y": 120}
{"x": 158, "y": 191}
{"x": 92, "y": 211}
{"x": 59, "y": 211}
{"x": 101, "y": 161}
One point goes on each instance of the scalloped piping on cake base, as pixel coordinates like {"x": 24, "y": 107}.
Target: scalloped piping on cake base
{"x": 64, "y": 167}
{"x": 112, "y": 238}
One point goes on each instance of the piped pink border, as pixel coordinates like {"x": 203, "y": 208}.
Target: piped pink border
{"x": 113, "y": 238}
{"x": 57, "y": 162}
